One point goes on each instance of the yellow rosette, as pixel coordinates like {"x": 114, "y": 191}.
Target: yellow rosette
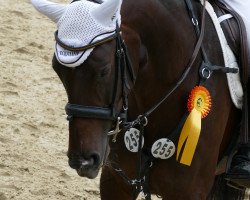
{"x": 199, "y": 104}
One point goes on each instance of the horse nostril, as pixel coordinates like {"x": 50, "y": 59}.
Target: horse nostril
{"x": 92, "y": 161}
{"x": 96, "y": 159}
{"x": 86, "y": 162}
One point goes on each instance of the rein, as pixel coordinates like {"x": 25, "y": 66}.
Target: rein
{"x": 143, "y": 118}
{"x": 143, "y": 166}
{"x": 205, "y": 71}
{"x": 123, "y": 63}
{"x": 206, "y": 68}
{"x": 122, "y": 69}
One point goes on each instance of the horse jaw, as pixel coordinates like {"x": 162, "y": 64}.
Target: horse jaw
{"x": 54, "y": 11}
{"x": 108, "y": 12}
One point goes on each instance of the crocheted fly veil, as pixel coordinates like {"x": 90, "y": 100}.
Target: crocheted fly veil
{"x": 79, "y": 24}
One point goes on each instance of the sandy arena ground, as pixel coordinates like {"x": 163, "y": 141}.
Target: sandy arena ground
{"x": 33, "y": 129}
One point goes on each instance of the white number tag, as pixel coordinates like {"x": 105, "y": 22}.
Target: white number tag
{"x": 131, "y": 139}
{"x": 163, "y": 148}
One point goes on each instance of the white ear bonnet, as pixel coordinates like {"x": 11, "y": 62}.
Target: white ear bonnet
{"x": 79, "y": 24}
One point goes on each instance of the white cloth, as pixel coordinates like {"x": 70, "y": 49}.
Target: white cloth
{"x": 242, "y": 7}
{"x": 78, "y": 27}
{"x": 234, "y": 83}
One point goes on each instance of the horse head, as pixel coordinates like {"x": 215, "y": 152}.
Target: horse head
{"x": 93, "y": 82}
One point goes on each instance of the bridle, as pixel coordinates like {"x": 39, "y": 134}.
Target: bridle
{"x": 122, "y": 70}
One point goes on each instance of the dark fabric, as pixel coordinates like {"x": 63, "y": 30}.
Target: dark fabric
{"x": 239, "y": 171}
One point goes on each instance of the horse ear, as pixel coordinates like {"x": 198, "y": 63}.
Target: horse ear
{"x": 54, "y": 11}
{"x": 107, "y": 12}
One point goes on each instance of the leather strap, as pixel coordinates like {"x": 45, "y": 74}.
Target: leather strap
{"x": 95, "y": 1}
{"x": 89, "y": 46}
{"x": 80, "y": 111}
{"x": 189, "y": 65}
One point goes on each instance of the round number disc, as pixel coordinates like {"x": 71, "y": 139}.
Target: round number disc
{"x": 163, "y": 148}
{"x": 131, "y": 139}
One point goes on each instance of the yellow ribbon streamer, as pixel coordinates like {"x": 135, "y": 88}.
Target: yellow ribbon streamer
{"x": 190, "y": 133}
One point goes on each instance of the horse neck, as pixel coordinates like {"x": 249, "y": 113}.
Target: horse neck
{"x": 163, "y": 36}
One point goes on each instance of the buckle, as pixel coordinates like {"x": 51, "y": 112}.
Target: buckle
{"x": 143, "y": 120}
{"x": 116, "y": 130}
{"x": 205, "y": 70}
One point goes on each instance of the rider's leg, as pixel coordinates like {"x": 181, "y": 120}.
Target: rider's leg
{"x": 239, "y": 171}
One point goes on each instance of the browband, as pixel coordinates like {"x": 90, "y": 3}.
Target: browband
{"x": 86, "y": 47}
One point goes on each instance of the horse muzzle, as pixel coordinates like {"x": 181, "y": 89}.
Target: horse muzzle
{"x": 86, "y": 166}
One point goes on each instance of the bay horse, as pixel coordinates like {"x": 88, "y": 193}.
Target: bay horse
{"x": 132, "y": 72}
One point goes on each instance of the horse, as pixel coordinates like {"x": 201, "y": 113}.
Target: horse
{"x": 150, "y": 58}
